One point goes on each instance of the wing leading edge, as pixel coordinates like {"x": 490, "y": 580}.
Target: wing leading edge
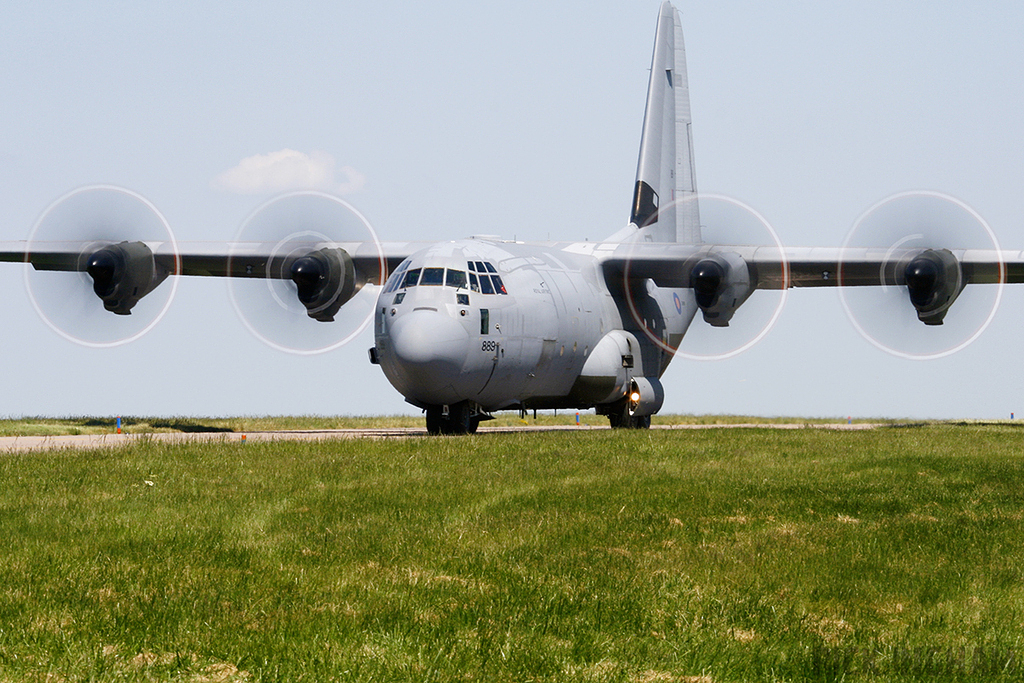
{"x": 215, "y": 259}
{"x": 933, "y": 277}
{"x": 326, "y": 274}
{"x": 671, "y": 265}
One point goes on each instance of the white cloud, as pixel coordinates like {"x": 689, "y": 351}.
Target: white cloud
{"x": 289, "y": 170}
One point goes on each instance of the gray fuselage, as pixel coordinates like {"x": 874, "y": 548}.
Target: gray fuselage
{"x": 513, "y": 325}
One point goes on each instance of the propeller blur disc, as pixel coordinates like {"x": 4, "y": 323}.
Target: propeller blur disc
{"x": 724, "y": 221}
{"x": 267, "y": 304}
{"x": 86, "y": 220}
{"x": 884, "y": 315}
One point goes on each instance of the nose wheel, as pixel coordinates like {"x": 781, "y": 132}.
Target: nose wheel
{"x": 457, "y": 418}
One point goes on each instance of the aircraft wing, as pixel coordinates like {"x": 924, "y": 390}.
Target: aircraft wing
{"x": 671, "y": 265}
{"x": 724, "y": 276}
{"x": 327, "y": 274}
{"x": 215, "y": 259}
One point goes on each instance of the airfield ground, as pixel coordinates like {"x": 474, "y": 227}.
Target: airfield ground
{"x": 28, "y": 443}
{"x": 48, "y": 426}
{"x": 575, "y": 555}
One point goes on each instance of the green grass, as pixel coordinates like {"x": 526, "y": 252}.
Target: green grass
{"x": 722, "y": 555}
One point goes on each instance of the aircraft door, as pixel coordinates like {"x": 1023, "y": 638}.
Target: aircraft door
{"x": 490, "y": 347}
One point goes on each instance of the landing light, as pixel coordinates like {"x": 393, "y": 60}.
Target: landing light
{"x": 634, "y": 397}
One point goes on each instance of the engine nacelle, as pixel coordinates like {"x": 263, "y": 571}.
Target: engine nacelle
{"x": 720, "y": 282}
{"x": 645, "y": 396}
{"x": 122, "y": 274}
{"x": 325, "y": 279}
{"x": 934, "y": 280}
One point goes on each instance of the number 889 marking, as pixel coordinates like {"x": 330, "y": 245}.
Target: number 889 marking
{"x": 489, "y": 345}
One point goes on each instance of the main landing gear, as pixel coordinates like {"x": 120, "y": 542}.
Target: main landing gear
{"x": 457, "y": 418}
{"x": 619, "y": 417}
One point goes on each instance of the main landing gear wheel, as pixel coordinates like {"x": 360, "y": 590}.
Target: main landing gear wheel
{"x": 461, "y": 419}
{"x": 619, "y": 417}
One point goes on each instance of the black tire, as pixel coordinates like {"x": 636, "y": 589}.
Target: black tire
{"x": 460, "y": 419}
{"x": 434, "y": 420}
{"x": 642, "y": 422}
{"x": 619, "y": 418}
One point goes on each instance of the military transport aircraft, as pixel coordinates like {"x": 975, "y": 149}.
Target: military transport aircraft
{"x": 468, "y": 327}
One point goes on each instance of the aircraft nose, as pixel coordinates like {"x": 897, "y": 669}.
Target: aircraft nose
{"x": 430, "y": 348}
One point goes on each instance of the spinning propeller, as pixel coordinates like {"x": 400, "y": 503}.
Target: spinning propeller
{"x": 307, "y": 295}
{"x": 721, "y": 281}
{"x": 95, "y": 235}
{"x": 921, "y": 237}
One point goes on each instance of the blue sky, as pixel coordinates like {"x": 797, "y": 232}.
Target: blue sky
{"x": 522, "y": 120}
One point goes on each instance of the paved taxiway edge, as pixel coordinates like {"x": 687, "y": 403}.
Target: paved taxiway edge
{"x": 23, "y": 444}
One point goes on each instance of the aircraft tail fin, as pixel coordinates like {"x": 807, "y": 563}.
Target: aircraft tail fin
{"x": 664, "y": 202}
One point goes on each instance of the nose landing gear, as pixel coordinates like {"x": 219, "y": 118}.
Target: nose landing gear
{"x": 458, "y": 418}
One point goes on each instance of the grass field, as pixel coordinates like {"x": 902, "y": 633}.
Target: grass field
{"x": 725, "y": 555}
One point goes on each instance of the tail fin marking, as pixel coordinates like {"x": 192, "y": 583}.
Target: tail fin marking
{"x": 665, "y": 169}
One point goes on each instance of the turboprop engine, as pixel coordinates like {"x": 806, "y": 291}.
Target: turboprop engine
{"x": 934, "y": 280}
{"x": 721, "y": 283}
{"x": 325, "y": 279}
{"x": 122, "y": 274}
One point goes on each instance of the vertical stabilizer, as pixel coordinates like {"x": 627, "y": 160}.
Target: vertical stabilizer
{"x": 665, "y": 171}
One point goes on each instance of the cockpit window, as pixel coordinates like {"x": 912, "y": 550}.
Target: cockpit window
{"x": 432, "y": 276}
{"x": 499, "y": 286}
{"x": 480, "y": 281}
{"x": 411, "y": 278}
{"x": 485, "y": 285}
{"x": 396, "y": 277}
{"x": 455, "y": 278}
